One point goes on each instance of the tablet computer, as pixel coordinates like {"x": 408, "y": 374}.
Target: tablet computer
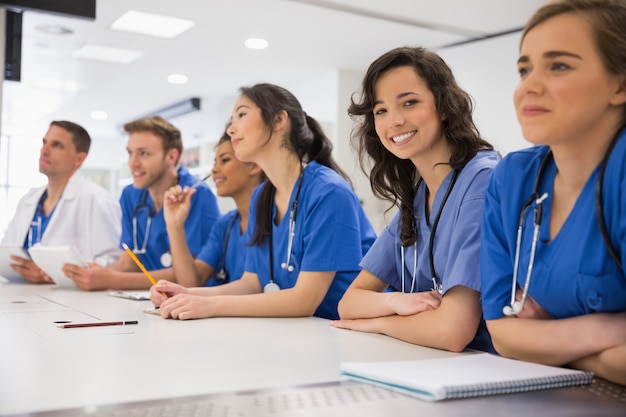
{"x": 5, "y": 261}
{"x": 52, "y": 258}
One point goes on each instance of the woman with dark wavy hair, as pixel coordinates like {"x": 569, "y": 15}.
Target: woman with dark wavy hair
{"x": 308, "y": 230}
{"x": 417, "y": 142}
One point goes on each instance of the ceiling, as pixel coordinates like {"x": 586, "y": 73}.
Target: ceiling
{"x": 307, "y": 39}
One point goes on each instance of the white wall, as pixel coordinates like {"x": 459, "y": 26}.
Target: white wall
{"x": 487, "y": 70}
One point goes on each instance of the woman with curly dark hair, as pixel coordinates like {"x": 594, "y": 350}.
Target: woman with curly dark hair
{"x": 418, "y": 144}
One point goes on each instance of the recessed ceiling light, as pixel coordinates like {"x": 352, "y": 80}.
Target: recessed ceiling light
{"x": 54, "y": 30}
{"x": 256, "y": 43}
{"x": 177, "y": 78}
{"x": 106, "y": 54}
{"x": 99, "y": 115}
{"x": 151, "y": 24}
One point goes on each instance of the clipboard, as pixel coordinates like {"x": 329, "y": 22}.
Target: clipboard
{"x": 5, "y": 261}
{"x": 52, "y": 258}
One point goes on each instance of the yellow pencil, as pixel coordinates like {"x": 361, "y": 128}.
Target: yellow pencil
{"x": 140, "y": 265}
{"x": 138, "y": 262}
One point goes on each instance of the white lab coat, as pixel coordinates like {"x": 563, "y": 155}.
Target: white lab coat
{"x": 87, "y": 216}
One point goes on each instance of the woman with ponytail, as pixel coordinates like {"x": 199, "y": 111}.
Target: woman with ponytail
{"x": 420, "y": 281}
{"x": 307, "y": 231}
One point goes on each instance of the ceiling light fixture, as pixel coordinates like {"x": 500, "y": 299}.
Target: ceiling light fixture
{"x": 175, "y": 110}
{"x": 106, "y": 54}
{"x": 177, "y": 79}
{"x": 99, "y": 115}
{"x": 256, "y": 43}
{"x": 151, "y": 24}
{"x": 54, "y": 30}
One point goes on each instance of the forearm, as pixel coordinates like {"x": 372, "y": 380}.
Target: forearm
{"x": 557, "y": 342}
{"x": 137, "y": 280}
{"x": 609, "y": 364}
{"x": 185, "y": 272}
{"x": 359, "y": 303}
{"x": 365, "y": 298}
{"x": 245, "y": 285}
{"x": 447, "y": 327}
{"x": 284, "y": 303}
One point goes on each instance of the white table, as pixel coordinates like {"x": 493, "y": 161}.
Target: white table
{"x": 43, "y": 367}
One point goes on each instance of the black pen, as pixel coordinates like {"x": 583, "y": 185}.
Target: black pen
{"x": 198, "y": 183}
{"x": 96, "y": 324}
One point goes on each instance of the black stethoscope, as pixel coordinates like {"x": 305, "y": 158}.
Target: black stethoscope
{"x": 515, "y": 307}
{"x": 222, "y": 274}
{"x": 437, "y": 284}
{"x": 287, "y": 266}
{"x": 143, "y": 205}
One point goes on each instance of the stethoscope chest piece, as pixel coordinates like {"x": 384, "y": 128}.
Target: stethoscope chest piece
{"x": 271, "y": 287}
{"x": 166, "y": 259}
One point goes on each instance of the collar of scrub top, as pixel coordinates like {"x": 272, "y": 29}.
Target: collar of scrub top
{"x": 272, "y": 286}
{"x": 515, "y": 307}
{"x": 437, "y": 284}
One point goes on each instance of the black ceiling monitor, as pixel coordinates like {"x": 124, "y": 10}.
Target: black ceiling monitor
{"x": 74, "y": 8}
{"x": 13, "y": 46}
{"x": 13, "y": 27}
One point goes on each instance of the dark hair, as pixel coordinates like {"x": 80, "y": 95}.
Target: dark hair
{"x": 305, "y": 138}
{"x": 396, "y": 179}
{"x": 169, "y": 134}
{"x": 608, "y": 24}
{"x": 80, "y": 137}
{"x": 224, "y": 138}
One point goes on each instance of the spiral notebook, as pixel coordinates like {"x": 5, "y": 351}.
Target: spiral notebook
{"x": 463, "y": 376}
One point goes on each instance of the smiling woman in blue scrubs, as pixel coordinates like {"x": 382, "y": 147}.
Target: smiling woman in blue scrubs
{"x": 417, "y": 133}
{"x": 559, "y": 296}
{"x": 309, "y": 233}
{"x": 222, "y": 257}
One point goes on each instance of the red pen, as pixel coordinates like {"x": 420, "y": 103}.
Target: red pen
{"x": 96, "y": 324}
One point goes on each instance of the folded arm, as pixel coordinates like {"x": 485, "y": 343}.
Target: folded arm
{"x": 365, "y": 298}
{"x": 450, "y": 326}
{"x": 592, "y": 341}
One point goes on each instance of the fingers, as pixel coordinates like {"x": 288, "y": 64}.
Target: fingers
{"x": 177, "y": 194}
{"x": 175, "y": 308}
{"x": 341, "y": 324}
{"x": 156, "y": 296}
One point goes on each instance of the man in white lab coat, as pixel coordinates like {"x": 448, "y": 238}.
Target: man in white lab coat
{"x": 69, "y": 210}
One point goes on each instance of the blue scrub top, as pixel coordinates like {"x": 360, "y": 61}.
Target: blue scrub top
{"x": 39, "y": 224}
{"x": 212, "y": 252}
{"x": 457, "y": 239}
{"x": 573, "y": 274}
{"x": 202, "y": 216}
{"x": 332, "y": 233}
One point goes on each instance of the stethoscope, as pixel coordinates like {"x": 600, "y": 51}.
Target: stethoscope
{"x": 536, "y": 200}
{"x": 437, "y": 284}
{"x": 143, "y": 205}
{"x": 166, "y": 257}
{"x": 287, "y": 266}
{"x": 222, "y": 274}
